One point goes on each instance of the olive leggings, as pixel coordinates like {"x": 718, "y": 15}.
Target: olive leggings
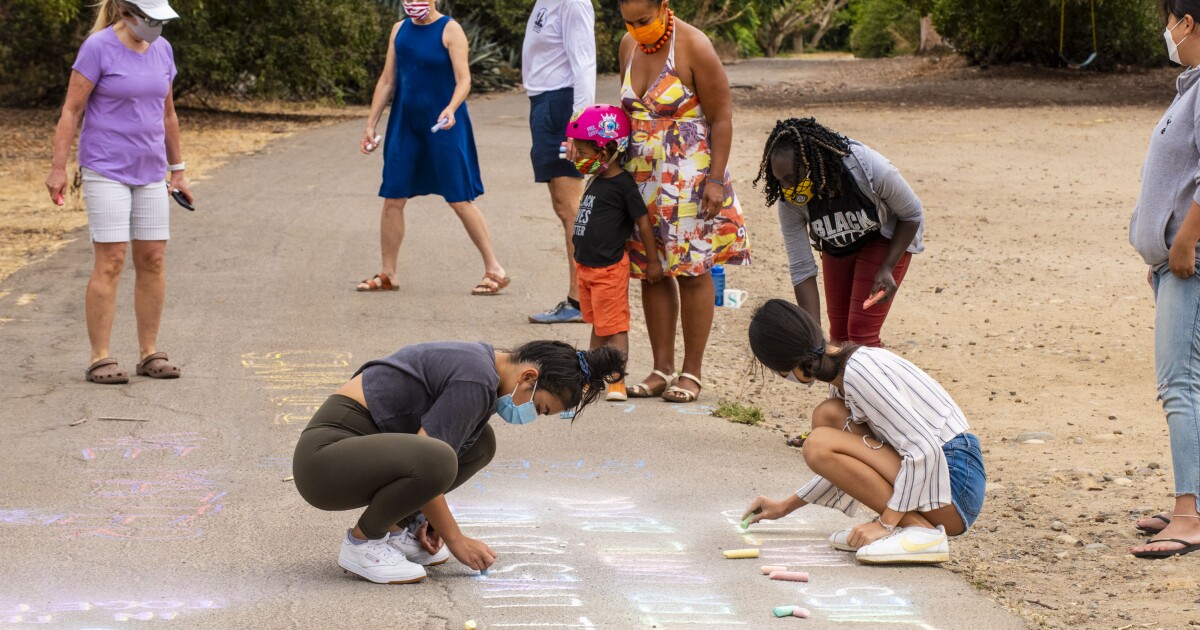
{"x": 343, "y": 462}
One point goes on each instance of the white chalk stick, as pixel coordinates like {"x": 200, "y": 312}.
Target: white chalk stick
{"x": 790, "y": 576}
{"x": 769, "y": 569}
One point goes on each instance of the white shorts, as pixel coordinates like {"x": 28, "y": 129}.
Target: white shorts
{"x": 119, "y": 213}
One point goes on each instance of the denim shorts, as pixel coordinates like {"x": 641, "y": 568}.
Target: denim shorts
{"x": 967, "y": 476}
{"x": 549, "y": 114}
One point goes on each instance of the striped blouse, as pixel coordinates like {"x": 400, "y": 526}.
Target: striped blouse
{"x": 908, "y": 410}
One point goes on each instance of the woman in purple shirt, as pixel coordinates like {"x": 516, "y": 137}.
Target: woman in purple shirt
{"x": 121, "y": 90}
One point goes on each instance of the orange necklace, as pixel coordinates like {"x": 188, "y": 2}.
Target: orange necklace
{"x": 662, "y": 41}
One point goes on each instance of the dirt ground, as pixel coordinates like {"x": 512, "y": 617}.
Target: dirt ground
{"x": 31, "y": 227}
{"x": 1028, "y": 302}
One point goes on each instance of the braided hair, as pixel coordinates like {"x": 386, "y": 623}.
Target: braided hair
{"x": 816, "y": 148}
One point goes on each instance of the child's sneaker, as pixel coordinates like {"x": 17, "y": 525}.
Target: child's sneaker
{"x": 379, "y": 562}
{"x": 908, "y": 545}
{"x": 616, "y": 392}
{"x": 840, "y": 540}
{"x": 406, "y": 543}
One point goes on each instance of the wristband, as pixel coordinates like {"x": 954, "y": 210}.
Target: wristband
{"x": 177, "y": 167}
{"x": 717, "y": 182}
{"x": 890, "y": 528}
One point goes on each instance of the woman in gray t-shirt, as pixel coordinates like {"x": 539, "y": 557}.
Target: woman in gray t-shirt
{"x": 411, "y": 427}
{"x": 847, "y": 201}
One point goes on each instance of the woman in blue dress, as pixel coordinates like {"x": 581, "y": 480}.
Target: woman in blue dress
{"x": 427, "y": 79}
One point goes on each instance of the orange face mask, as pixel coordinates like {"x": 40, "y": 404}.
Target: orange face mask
{"x": 649, "y": 34}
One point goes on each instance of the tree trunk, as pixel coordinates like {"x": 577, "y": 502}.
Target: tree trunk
{"x": 825, "y": 20}
{"x": 931, "y": 40}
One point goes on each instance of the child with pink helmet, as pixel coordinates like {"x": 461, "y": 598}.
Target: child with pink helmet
{"x": 609, "y": 211}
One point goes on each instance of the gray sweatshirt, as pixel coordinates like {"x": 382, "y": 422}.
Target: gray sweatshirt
{"x": 1170, "y": 176}
{"x": 883, "y": 184}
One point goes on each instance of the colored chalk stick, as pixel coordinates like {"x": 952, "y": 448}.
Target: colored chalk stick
{"x": 483, "y": 572}
{"x": 470, "y": 625}
{"x": 769, "y": 569}
{"x": 790, "y": 611}
{"x": 789, "y": 576}
{"x": 739, "y": 554}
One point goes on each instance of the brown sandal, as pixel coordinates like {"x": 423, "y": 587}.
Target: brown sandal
{"x": 106, "y": 372}
{"x": 378, "y": 283}
{"x": 491, "y": 284}
{"x": 161, "y": 369}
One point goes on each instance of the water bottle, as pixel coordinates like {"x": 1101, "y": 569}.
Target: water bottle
{"x": 718, "y": 276}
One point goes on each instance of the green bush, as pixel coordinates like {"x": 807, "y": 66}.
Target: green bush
{"x": 1007, "y": 31}
{"x": 883, "y": 28}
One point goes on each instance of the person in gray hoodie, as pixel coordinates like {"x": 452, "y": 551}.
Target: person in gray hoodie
{"x": 1165, "y": 230}
{"x": 847, "y": 201}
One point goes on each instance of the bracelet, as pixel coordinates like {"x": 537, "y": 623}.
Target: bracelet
{"x": 716, "y": 181}
{"x": 177, "y": 167}
{"x": 889, "y": 528}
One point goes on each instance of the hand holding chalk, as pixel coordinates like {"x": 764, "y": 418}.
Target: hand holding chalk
{"x": 441, "y": 124}
{"x": 874, "y": 299}
{"x": 58, "y": 199}
{"x": 745, "y": 524}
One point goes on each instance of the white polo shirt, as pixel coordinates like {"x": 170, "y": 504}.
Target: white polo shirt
{"x": 560, "y": 50}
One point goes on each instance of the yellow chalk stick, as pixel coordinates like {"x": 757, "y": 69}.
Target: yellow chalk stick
{"x": 738, "y": 554}
{"x": 470, "y": 625}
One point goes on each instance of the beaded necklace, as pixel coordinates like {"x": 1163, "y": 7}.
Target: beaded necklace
{"x": 662, "y": 41}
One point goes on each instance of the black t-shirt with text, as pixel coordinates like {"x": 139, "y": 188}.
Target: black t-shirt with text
{"x": 607, "y": 212}
{"x": 843, "y": 226}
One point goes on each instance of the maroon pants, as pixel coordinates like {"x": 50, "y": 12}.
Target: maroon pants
{"x": 848, "y": 282}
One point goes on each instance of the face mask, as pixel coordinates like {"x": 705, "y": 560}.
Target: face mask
{"x": 416, "y": 10}
{"x": 590, "y": 166}
{"x": 144, "y": 31}
{"x": 649, "y": 34}
{"x": 1172, "y": 47}
{"x": 801, "y": 194}
{"x": 791, "y": 376}
{"x": 517, "y": 414}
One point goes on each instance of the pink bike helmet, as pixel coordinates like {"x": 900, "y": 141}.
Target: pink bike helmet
{"x": 601, "y": 124}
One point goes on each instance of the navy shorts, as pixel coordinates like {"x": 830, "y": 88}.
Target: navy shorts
{"x": 967, "y": 476}
{"x": 549, "y": 114}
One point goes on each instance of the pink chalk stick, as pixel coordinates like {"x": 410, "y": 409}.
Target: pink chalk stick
{"x": 769, "y": 569}
{"x": 800, "y": 612}
{"x": 790, "y": 576}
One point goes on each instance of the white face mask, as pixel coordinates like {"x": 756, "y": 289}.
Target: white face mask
{"x": 1172, "y": 47}
{"x": 791, "y": 376}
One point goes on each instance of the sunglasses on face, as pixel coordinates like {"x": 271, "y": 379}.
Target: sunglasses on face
{"x": 137, "y": 13}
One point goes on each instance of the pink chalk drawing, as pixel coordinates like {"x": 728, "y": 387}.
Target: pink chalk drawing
{"x": 581, "y": 622}
{"x": 132, "y": 447}
{"x": 567, "y": 469}
{"x": 532, "y": 585}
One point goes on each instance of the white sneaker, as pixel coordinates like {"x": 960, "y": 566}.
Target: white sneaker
{"x": 838, "y": 540}
{"x": 908, "y": 545}
{"x": 406, "y": 543}
{"x": 379, "y": 562}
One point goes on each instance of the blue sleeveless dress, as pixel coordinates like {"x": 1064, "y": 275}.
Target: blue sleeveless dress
{"x": 415, "y": 160}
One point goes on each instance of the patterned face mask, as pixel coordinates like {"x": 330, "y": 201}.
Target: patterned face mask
{"x": 416, "y": 10}
{"x": 590, "y": 166}
{"x": 800, "y": 195}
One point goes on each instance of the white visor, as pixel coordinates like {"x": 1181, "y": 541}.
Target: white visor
{"x": 155, "y": 9}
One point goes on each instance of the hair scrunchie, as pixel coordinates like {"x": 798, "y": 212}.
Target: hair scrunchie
{"x": 583, "y": 365}
{"x": 820, "y": 351}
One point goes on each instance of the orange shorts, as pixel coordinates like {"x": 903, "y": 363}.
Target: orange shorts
{"x": 604, "y": 296}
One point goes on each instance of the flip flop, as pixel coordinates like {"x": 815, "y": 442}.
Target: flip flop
{"x": 492, "y": 284}
{"x": 1169, "y": 553}
{"x": 1150, "y": 531}
{"x": 642, "y": 390}
{"x": 378, "y": 283}
{"x": 97, "y": 373}
{"x": 157, "y": 366}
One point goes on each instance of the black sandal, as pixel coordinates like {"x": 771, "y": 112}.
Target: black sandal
{"x": 1150, "y": 531}
{"x": 1169, "y": 553}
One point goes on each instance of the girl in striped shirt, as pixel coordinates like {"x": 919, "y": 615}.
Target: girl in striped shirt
{"x": 889, "y": 437}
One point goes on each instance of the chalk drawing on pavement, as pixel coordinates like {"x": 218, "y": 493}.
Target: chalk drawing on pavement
{"x": 132, "y": 447}
{"x": 84, "y": 611}
{"x": 301, "y": 380}
{"x": 863, "y": 604}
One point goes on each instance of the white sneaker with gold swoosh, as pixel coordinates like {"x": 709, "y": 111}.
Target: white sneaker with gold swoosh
{"x": 908, "y": 545}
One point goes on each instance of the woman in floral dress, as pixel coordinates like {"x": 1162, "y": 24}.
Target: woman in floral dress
{"x": 678, "y": 156}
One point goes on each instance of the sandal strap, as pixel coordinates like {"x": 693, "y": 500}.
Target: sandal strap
{"x": 101, "y": 363}
{"x": 153, "y": 357}
{"x": 663, "y": 375}
{"x": 691, "y": 378}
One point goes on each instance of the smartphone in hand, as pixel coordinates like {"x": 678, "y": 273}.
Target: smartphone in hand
{"x": 182, "y": 199}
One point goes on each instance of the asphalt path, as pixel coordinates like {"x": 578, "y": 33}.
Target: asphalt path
{"x": 176, "y": 511}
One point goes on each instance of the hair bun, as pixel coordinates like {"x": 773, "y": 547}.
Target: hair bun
{"x": 607, "y": 364}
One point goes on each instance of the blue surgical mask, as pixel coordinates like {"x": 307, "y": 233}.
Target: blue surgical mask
{"x": 517, "y": 414}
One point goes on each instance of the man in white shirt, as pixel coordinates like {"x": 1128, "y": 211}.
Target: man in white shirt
{"x": 558, "y": 69}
